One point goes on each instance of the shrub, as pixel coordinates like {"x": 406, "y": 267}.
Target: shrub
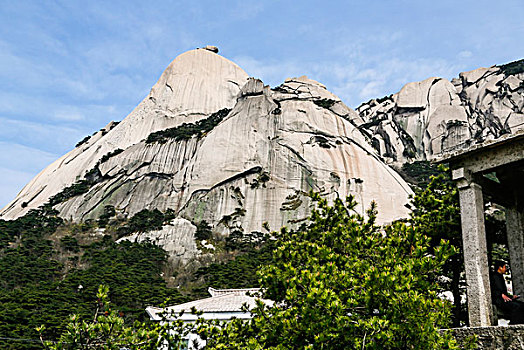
{"x": 188, "y": 130}
{"x": 70, "y": 243}
{"x": 203, "y": 231}
{"x": 106, "y": 156}
{"x": 109, "y": 212}
{"x": 84, "y": 140}
{"x": 325, "y": 103}
{"x": 512, "y": 68}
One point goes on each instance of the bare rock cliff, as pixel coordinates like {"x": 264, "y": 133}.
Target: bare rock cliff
{"x": 194, "y": 85}
{"x": 210, "y": 144}
{"x": 436, "y": 115}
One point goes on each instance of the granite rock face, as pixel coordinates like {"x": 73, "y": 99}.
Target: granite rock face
{"x": 433, "y": 116}
{"x": 177, "y": 238}
{"x": 253, "y": 158}
{"x": 194, "y": 85}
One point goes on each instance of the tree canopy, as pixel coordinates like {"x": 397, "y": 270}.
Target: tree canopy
{"x": 109, "y": 331}
{"x": 340, "y": 282}
{"x": 337, "y": 282}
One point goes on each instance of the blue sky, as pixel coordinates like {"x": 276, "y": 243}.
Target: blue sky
{"x": 67, "y": 68}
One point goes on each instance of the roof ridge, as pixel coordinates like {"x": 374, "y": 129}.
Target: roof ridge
{"x": 236, "y": 291}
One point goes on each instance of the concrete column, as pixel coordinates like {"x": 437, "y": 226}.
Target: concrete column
{"x": 475, "y": 249}
{"x": 515, "y": 233}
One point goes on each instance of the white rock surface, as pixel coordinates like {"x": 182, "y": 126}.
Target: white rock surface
{"x": 433, "y": 116}
{"x": 415, "y": 95}
{"x": 196, "y": 84}
{"x": 177, "y": 239}
{"x": 255, "y": 166}
{"x": 302, "y": 147}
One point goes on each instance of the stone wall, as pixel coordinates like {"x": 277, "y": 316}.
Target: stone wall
{"x": 493, "y": 338}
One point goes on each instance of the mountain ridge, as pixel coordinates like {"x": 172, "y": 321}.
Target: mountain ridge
{"x": 212, "y": 145}
{"x": 138, "y": 124}
{"x": 436, "y": 115}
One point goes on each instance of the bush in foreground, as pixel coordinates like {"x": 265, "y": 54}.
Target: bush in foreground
{"x": 341, "y": 282}
{"x": 338, "y": 282}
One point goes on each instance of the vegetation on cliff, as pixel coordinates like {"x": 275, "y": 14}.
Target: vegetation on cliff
{"x": 108, "y": 330}
{"x": 373, "y": 281}
{"x": 188, "y": 130}
{"x": 339, "y": 281}
{"x": 50, "y": 269}
{"x": 515, "y": 67}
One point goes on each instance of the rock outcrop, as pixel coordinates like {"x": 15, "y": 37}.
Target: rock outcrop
{"x": 212, "y": 145}
{"x": 177, "y": 239}
{"x": 193, "y": 86}
{"x": 433, "y": 116}
{"x": 209, "y": 143}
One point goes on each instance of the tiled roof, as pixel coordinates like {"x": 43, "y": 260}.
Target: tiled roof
{"x": 221, "y": 300}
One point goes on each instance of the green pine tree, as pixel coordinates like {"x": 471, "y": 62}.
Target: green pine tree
{"x": 342, "y": 282}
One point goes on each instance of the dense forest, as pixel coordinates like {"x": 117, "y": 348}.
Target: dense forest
{"x": 50, "y": 269}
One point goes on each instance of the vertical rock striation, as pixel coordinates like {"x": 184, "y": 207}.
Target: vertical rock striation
{"x": 435, "y": 115}
{"x": 194, "y": 85}
{"x": 211, "y": 144}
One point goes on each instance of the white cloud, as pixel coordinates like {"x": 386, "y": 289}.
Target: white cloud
{"x": 49, "y": 111}
{"x": 356, "y": 68}
{"x": 12, "y": 183}
{"x": 357, "y": 81}
{"x": 388, "y": 75}
{"x": 20, "y": 71}
{"x": 374, "y": 88}
{"x": 49, "y": 138}
{"x": 465, "y": 54}
{"x": 69, "y": 114}
{"x": 18, "y": 157}
{"x": 270, "y": 72}
{"x": 246, "y": 9}
{"x": 20, "y": 164}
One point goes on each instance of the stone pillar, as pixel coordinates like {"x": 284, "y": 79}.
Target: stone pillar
{"x": 514, "y": 229}
{"x": 475, "y": 249}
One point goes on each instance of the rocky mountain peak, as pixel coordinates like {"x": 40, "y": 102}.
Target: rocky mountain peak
{"x": 254, "y": 87}
{"x": 435, "y": 115}
{"x": 209, "y": 144}
{"x": 194, "y": 85}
